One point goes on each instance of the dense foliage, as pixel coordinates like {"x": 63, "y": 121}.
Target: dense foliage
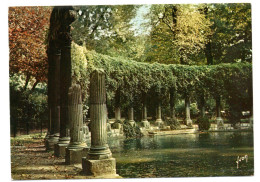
{"x": 203, "y": 123}
{"x": 28, "y": 109}
{"x": 28, "y": 28}
{"x": 200, "y": 34}
{"x": 231, "y": 81}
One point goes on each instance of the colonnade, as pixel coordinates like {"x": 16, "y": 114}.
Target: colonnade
{"x": 159, "y": 122}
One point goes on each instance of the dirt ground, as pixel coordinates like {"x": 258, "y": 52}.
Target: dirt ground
{"x": 32, "y": 161}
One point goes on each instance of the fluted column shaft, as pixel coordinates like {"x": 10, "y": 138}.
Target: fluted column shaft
{"x": 98, "y": 116}
{"x": 75, "y": 115}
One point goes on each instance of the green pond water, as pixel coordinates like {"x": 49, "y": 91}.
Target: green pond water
{"x": 184, "y": 155}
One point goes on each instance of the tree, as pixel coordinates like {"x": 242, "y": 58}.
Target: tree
{"x": 232, "y": 38}
{"x": 104, "y": 28}
{"x": 27, "y": 32}
{"x": 179, "y": 33}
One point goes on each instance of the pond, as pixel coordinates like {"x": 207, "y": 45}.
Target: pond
{"x": 184, "y": 155}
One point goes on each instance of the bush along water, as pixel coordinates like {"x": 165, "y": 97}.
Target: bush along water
{"x": 203, "y": 123}
{"x": 131, "y": 131}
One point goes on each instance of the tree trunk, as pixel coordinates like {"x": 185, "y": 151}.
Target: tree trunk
{"x": 34, "y": 85}
{"x": 26, "y": 81}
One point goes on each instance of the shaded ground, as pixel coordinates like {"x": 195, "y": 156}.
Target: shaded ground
{"x": 31, "y": 161}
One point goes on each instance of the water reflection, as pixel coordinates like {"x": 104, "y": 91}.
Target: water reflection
{"x": 205, "y": 154}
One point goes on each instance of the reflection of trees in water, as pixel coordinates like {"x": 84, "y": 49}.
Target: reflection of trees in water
{"x": 240, "y": 139}
{"x": 204, "y": 154}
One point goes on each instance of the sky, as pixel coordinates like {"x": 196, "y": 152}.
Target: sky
{"x": 140, "y": 19}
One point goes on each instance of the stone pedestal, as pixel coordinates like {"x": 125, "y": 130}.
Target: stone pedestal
{"x": 99, "y": 161}
{"x": 220, "y": 123}
{"x": 118, "y": 126}
{"x": 59, "y": 148}
{"x": 145, "y": 124}
{"x": 97, "y": 168}
{"x": 51, "y": 141}
{"x": 74, "y": 155}
{"x": 159, "y": 122}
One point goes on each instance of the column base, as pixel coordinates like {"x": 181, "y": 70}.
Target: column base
{"x": 220, "y": 123}
{"x": 132, "y": 123}
{"x": 159, "y": 122}
{"x": 188, "y": 122}
{"x": 145, "y": 124}
{"x": 60, "y": 147}
{"x": 99, "y": 153}
{"x": 51, "y": 141}
{"x": 75, "y": 155}
{"x": 99, "y": 168}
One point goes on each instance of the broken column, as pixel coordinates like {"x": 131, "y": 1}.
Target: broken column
{"x": 188, "y": 120}
{"x": 99, "y": 161}
{"x": 220, "y": 122}
{"x": 77, "y": 148}
{"x": 67, "y": 17}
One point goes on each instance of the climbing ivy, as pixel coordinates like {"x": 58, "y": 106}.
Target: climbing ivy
{"x": 231, "y": 81}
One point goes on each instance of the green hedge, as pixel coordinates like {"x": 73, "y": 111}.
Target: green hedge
{"x": 231, "y": 81}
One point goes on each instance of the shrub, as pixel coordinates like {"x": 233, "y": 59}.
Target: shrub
{"x": 131, "y": 131}
{"x": 203, "y": 123}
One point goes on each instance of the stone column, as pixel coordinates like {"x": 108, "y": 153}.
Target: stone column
{"x": 77, "y": 148}
{"x": 172, "y": 109}
{"x": 67, "y": 17}
{"x": 131, "y": 116}
{"x": 219, "y": 120}
{"x": 54, "y": 55}
{"x": 188, "y": 120}
{"x": 202, "y": 105}
{"x": 159, "y": 121}
{"x": 99, "y": 161}
{"x": 145, "y": 123}
{"x": 117, "y": 105}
